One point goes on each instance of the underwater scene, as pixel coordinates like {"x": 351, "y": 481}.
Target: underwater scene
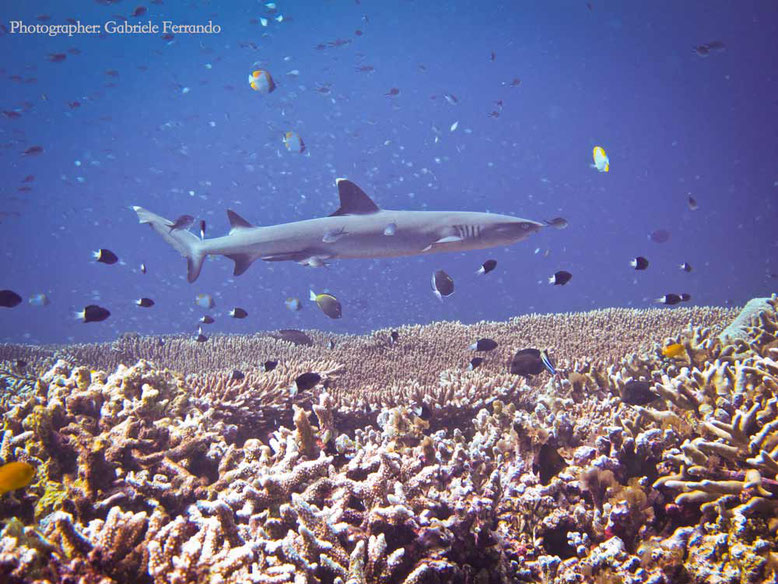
{"x": 365, "y": 291}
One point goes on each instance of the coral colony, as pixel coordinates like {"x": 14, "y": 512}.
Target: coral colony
{"x": 169, "y": 461}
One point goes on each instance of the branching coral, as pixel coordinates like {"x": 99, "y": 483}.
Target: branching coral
{"x": 401, "y": 465}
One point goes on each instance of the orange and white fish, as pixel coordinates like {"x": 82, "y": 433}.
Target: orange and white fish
{"x": 601, "y": 162}
{"x": 294, "y": 143}
{"x": 261, "y": 81}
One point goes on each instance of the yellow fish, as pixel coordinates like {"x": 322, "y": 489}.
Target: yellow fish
{"x": 601, "y": 162}
{"x": 261, "y": 81}
{"x": 673, "y": 351}
{"x": 15, "y": 475}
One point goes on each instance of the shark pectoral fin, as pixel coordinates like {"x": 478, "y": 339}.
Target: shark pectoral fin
{"x": 442, "y": 240}
{"x": 448, "y": 239}
{"x": 236, "y": 221}
{"x": 242, "y": 262}
{"x": 353, "y": 200}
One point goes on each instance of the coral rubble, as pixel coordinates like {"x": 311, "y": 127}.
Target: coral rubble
{"x": 431, "y": 474}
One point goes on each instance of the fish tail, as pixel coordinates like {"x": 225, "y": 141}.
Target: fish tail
{"x": 186, "y": 243}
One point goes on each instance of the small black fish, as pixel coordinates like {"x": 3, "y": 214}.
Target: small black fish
{"x": 93, "y": 313}
{"x": 528, "y": 362}
{"x": 639, "y": 263}
{"x": 659, "y": 236}
{"x": 238, "y": 313}
{"x": 9, "y": 299}
{"x": 669, "y": 299}
{"x": 306, "y": 381}
{"x": 548, "y": 463}
{"x": 268, "y": 366}
{"x": 105, "y": 256}
{"x": 638, "y": 393}
{"x": 33, "y": 151}
{"x": 487, "y": 267}
{"x": 237, "y": 375}
{"x": 202, "y": 228}
{"x": 293, "y": 336}
{"x": 557, "y": 222}
{"x": 330, "y": 344}
{"x": 685, "y": 297}
{"x": 143, "y": 268}
{"x": 200, "y": 338}
{"x": 182, "y": 222}
{"x": 442, "y": 284}
{"x": 475, "y": 362}
{"x": 207, "y": 319}
{"x": 483, "y": 345}
{"x": 394, "y": 336}
{"x": 686, "y": 267}
{"x": 144, "y": 302}
{"x": 692, "y": 202}
{"x": 560, "y": 278}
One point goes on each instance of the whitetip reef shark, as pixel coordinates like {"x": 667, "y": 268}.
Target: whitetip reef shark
{"x": 358, "y": 229}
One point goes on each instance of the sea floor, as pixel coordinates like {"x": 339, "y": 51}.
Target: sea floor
{"x": 651, "y": 455}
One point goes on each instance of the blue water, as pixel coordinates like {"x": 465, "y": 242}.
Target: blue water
{"x": 178, "y": 130}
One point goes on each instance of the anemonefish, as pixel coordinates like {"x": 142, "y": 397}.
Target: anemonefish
{"x": 261, "y": 81}
{"x": 294, "y": 143}
{"x": 601, "y": 162}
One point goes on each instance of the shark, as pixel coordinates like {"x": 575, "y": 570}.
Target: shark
{"x": 357, "y": 229}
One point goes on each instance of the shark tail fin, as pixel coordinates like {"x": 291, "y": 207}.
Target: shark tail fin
{"x": 186, "y": 243}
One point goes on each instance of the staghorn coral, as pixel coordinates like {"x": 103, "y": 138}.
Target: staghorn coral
{"x": 153, "y": 476}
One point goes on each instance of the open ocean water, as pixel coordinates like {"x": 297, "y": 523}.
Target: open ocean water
{"x": 458, "y": 106}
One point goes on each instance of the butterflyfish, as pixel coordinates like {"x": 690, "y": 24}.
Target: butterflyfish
{"x": 261, "y": 81}
{"x": 601, "y": 162}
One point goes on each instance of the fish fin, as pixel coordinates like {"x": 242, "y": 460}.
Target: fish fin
{"x": 242, "y": 262}
{"x": 290, "y": 256}
{"x": 236, "y": 221}
{"x": 353, "y": 200}
{"x": 186, "y": 243}
{"x": 448, "y": 239}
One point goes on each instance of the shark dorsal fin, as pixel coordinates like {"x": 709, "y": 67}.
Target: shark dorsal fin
{"x": 353, "y": 200}
{"x": 236, "y": 221}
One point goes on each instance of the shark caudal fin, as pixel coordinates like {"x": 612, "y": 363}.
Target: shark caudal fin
{"x": 187, "y": 244}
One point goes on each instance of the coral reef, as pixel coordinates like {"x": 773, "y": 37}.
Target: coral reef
{"x": 184, "y": 475}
